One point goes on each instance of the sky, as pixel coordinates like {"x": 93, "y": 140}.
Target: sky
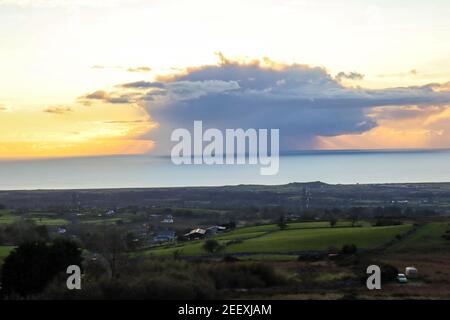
{"x": 81, "y": 77}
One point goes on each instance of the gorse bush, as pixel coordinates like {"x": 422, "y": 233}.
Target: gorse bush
{"x": 172, "y": 279}
{"x": 166, "y": 279}
{"x": 244, "y": 275}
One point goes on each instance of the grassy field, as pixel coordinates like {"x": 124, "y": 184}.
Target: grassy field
{"x": 4, "y": 252}
{"x": 101, "y": 221}
{"x": 6, "y": 217}
{"x": 50, "y": 221}
{"x": 427, "y": 237}
{"x": 295, "y": 238}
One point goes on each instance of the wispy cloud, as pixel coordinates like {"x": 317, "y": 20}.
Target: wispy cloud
{"x": 142, "y": 85}
{"x": 142, "y": 69}
{"x": 58, "y": 110}
{"x": 108, "y": 97}
{"x": 349, "y": 76}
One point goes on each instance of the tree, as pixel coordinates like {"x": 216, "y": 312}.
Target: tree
{"x": 211, "y": 246}
{"x": 355, "y": 214}
{"x": 42, "y": 233}
{"x": 333, "y": 222}
{"x": 111, "y": 244}
{"x": 282, "y": 222}
{"x": 130, "y": 240}
{"x": 33, "y": 265}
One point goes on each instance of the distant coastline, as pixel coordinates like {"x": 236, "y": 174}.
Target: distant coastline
{"x": 146, "y": 171}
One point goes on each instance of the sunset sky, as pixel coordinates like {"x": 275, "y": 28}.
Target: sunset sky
{"x": 81, "y": 77}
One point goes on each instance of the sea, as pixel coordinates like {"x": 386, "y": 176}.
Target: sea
{"x": 141, "y": 171}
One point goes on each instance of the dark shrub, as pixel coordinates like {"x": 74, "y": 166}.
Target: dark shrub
{"x": 349, "y": 249}
{"x": 244, "y": 275}
{"x": 229, "y": 258}
{"x": 212, "y": 246}
{"x": 31, "y": 266}
{"x": 310, "y": 257}
{"x": 446, "y": 236}
{"x": 333, "y": 250}
{"x": 383, "y": 222}
{"x": 388, "y": 272}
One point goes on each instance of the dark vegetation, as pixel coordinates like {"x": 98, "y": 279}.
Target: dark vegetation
{"x": 109, "y": 233}
{"x": 30, "y": 267}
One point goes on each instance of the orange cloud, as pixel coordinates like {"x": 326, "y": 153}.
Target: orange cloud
{"x": 425, "y": 128}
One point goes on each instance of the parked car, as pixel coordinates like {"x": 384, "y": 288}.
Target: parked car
{"x": 401, "y": 278}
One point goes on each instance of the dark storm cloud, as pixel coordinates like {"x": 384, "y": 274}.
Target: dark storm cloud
{"x": 302, "y": 101}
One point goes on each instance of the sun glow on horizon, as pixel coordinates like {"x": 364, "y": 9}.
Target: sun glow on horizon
{"x": 53, "y": 53}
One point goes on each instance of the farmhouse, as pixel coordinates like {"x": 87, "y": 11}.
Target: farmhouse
{"x": 61, "y": 230}
{"x": 164, "y": 236}
{"x": 196, "y": 234}
{"x": 214, "y": 230}
{"x": 168, "y": 219}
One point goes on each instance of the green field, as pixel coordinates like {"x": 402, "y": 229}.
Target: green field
{"x": 49, "y": 221}
{"x": 296, "y": 238}
{"x": 427, "y": 237}
{"x": 4, "y": 252}
{"x": 106, "y": 221}
{"x": 6, "y": 217}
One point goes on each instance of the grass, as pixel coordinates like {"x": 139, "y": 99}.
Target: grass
{"x": 6, "y": 217}
{"x": 338, "y": 276}
{"x": 319, "y": 239}
{"x": 244, "y": 232}
{"x": 49, "y": 221}
{"x": 4, "y": 252}
{"x": 270, "y": 257}
{"x": 103, "y": 221}
{"x": 427, "y": 237}
{"x": 298, "y": 237}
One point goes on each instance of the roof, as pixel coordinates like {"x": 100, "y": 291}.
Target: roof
{"x": 196, "y": 231}
{"x": 217, "y": 227}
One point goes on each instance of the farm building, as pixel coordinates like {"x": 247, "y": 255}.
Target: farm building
{"x": 214, "y": 230}
{"x": 168, "y": 219}
{"x": 61, "y": 230}
{"x": 411, "y": 272}
{"x": 196, "y": 234}
{"x": 164, "y": 236}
